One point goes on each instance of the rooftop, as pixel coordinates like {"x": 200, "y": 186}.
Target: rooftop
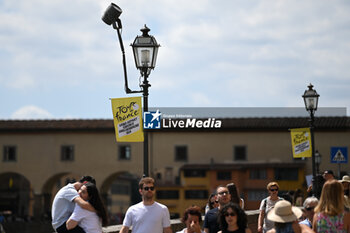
{"x": 255, "y": 123}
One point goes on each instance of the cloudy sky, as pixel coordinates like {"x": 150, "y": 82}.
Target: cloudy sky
{"x": 59, "y": 60}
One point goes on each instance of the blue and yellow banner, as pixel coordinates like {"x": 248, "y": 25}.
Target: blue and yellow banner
{"x": 127, "y": 116}
{"x": 301, "y": 142}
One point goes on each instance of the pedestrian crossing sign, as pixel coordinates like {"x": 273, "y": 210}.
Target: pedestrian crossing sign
{"x": 339, "y": 155}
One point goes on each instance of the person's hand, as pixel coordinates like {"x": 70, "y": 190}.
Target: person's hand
{"x": 195, "y": 227}
{"x": 309, "y": 189}
{"x": 260, "y": 229}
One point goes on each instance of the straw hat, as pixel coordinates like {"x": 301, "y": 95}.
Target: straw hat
{"x": 284, "y": 212}
{"x": 345, "y": 179}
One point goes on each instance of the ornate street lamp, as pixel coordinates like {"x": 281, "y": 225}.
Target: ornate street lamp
{"x": 311, "y": 101}
{"x": 145, "y": 48}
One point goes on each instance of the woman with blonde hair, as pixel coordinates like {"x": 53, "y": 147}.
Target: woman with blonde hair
{"x": 266, "y": 205}
{"x": 329, "y": 213}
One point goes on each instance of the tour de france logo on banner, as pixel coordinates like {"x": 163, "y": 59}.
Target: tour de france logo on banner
{"x": 127, "y": 117}
{"x": 301, "y": 142}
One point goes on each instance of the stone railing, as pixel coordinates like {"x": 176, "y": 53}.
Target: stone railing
{"x": 45, "y": 226}
{"x": 177, "y": 225}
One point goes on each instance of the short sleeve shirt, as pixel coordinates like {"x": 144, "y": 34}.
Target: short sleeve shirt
{"x": 267, "y": 204}
{"x": 147, "y": 218}
{"x": 87, "y": 220}
{"x": 63, "y": 205}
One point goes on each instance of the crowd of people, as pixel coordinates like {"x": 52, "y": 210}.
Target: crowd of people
{"x": 78, "y": 208}
{"x": 328, "y": 213}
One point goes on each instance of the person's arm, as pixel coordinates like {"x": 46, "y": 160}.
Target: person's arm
{"x": 241, "y": 203}
{"x": 314, "y": 223}
{"x": 84, "y": 204}
{"x": 70, "y": 224}
{"x": 261, "y": 220}
{"x": 347, "y": 222}
{"x": 167, "y": 230}
{"x": 124, "y": 229}
{"x": 309, "y": 190}
{"x": 75, "y": 218}
{"x": 296, "y": 227}
{"x": 305, "y": 229}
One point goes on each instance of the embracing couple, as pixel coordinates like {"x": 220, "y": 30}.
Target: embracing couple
{"x": 78, "y": 208}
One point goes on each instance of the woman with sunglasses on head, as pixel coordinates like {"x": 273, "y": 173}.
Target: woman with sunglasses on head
{"x": 91, "y": 222}
{"x": 212, "y": 203}
{"x": 235, "y": 198}
{"x": 266, "y": 205}
{"x": 233, "y": 219}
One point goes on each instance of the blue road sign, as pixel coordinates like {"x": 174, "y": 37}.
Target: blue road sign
{"x": 339, "y": 154}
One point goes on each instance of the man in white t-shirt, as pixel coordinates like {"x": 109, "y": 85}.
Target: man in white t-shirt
{"x": 148, "y": 216}
{"x": 64, "y": 202}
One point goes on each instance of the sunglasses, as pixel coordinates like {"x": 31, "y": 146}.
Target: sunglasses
{"x": 230, "y": 214}
{"x": 223, "y": 193}
{"x": 212, "y": 203}
{"x": 273, "y": 190}
{"x": 310, "y": 208}
{"x": 149, "y": 188}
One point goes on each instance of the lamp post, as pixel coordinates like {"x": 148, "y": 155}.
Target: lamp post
{"x": 311, "y": 101}
{"x": 317, "y": 161}
{"x": 145, "y": 48}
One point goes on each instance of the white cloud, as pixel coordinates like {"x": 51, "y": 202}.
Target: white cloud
{"x": 31, "y": 112}
{"x": 22, "y": 82}
{"x": 201, "y": 99}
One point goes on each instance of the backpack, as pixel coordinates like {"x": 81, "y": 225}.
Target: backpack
{"x": 265, "y": 203}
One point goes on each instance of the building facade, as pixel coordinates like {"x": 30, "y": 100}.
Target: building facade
{"x": 39, "y": 157}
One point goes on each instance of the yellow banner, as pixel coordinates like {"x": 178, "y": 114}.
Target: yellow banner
{"x": 127, "y": 116}
{"x": 301, "y": 142}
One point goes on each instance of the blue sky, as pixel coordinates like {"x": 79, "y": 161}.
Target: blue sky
{"x": 58, "y": 60}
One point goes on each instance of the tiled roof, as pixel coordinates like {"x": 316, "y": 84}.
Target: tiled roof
{"x": 279, "y": 123}
{"x": 56, "y": 125}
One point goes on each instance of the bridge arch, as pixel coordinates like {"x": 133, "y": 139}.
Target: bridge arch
{"x": 120, "y": 190}
{"x": 16, "y": 196}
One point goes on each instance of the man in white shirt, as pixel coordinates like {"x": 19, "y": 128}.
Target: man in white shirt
{"x": 148, "y": 216}
{"x": 64, "y": 202}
